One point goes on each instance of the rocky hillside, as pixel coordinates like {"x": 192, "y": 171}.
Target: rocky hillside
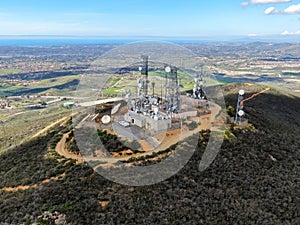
{"x": 255, "y": 178}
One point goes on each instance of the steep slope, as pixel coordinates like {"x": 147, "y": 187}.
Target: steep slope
{"x": 254, "y": 179}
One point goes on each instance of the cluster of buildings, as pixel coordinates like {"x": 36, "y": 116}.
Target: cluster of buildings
{"x": 157, "y": 112}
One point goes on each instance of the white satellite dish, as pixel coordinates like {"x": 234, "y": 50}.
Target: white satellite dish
{"x": 241, "y": 92}
{"x": 241, "y": 113}
{"x": 105, "y": 119}
{"x": 115, "y": 109}
{"x": 168, "y": 69}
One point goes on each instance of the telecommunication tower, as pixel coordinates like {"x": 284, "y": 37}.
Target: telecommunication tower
{"x": 173, "y": 99}
{"x": 198, "y": 91}
{"x": 144, "y": 71}
{"x": 239, "y": 108}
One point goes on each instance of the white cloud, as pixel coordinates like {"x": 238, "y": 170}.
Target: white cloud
{"x": 293, "y": 9}
{"x": 252, "y": 35}
{"x": 245, "y": 3}
{"x": 256, "y": 2}
{"x": 290, "y": 33}
{"x": 285, "y": 32}
{"x": 271, "y": 11}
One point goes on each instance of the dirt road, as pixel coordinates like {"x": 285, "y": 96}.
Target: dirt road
{"x": 44, "y": 130}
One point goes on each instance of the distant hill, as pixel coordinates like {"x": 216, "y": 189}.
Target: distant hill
{"x": 255, "y": 178}
{"x": 274, "y": 105}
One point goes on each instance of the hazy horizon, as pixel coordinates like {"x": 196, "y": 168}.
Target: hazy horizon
{"x": 22, "y": 39}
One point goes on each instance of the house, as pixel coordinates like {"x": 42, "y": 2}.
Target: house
{"x": 153, "y": 124}
{"x": 135, "y": 118}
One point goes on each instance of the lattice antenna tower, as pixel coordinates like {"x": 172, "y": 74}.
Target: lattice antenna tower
{"x": 173, "y": 99}
{"x": 144, "y": 72}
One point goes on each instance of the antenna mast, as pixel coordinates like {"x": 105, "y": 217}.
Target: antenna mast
{"x": 239, "y": 108}
{"x": 145, "y": 72}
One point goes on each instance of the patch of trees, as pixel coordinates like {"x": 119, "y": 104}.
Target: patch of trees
{"x": 71, "y": 143}
{"x": 112, "y": 143}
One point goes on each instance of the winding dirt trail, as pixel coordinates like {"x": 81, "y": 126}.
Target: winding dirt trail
{"x": 61, "y": 149}
{"x": 26, "y": 187}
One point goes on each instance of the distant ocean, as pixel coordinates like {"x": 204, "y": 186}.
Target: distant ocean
{"x": 36, "y": 41}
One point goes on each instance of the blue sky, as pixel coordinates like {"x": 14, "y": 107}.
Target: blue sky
{"x": 194, "y": 18}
